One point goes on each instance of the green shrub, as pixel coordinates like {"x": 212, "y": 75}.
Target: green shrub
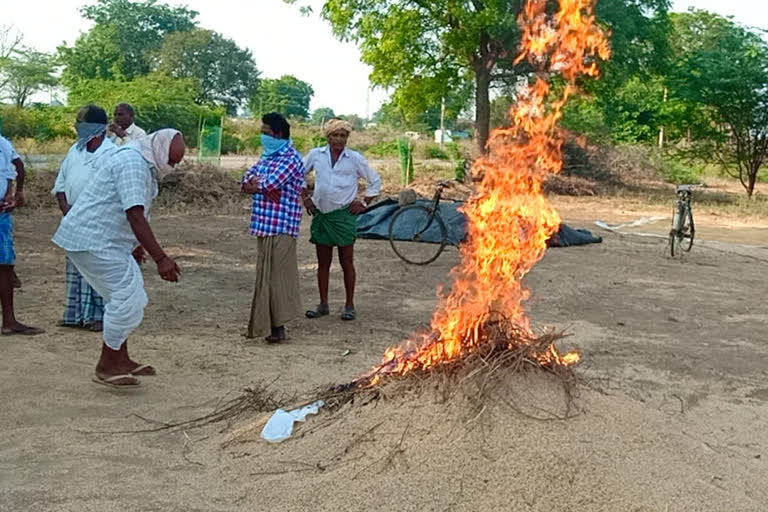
{"x": 678, "y": 172}
{"x": 384, "y": 149}
{"x": 252, "y": 144}
{"x": 436, "y": 152}
{"x": 42, "y": 123}
{"x": 231, "y": 144}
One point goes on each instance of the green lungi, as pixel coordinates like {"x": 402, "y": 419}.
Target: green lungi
{"x": 337, "y": 228}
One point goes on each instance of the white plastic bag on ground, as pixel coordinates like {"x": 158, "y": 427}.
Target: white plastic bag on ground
{"x": 280, "y": 425}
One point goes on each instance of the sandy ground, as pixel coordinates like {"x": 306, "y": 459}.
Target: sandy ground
{"x": 674, "y": 416}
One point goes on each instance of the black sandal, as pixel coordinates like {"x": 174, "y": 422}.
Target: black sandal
{"x": 349, "y": 314}
{"x": 278, "y": 335}
{"x": 320, "y": 310}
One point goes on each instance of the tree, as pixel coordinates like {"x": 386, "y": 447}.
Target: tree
{"x": 286, "y": 94}
{"x": 321, "y": 114}
{"x": 27, "y": 72}
{"x": 226, "y": 74}
{"x": 160, "y": 101}
{"x": 10, "y": 41}
{"x": 429, "y": 48}
{"x": 724, "y": 67}
{"x": 123, "y": 39}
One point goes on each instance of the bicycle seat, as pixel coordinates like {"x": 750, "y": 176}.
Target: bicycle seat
{"x": 686, "y": 188}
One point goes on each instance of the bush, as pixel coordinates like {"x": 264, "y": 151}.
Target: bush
{"x": 42, "y": 123}
{"x": 436, "y": 152}
{"x": 678, "y": 172}
{"x": 384, "y": 149}
{"x": 231, "y": 144}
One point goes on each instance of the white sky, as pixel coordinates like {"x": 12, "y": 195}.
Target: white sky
{"x": 283, "y": 41}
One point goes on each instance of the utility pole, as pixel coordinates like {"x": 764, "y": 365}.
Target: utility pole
{"x": 661, "y": 130}
{"x": 442, "y": 121}
{"x": 368, "y": 103}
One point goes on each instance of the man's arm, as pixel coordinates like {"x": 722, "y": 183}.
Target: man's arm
{"x": 166, "y": 267}
{"x": 373, "y": 179}
{"x": 19, "y": 181}
{"x": 61, "y": 198}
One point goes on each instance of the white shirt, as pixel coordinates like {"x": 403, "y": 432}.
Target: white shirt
{"x": 78, "y": 168}
{"x": 97, "y": 222}
{"x": 132, "y": 133}
{"x": 336, "y": 185}
{"x": 7, "y": 170}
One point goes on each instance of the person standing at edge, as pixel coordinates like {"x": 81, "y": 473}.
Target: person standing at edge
{"x": 85, "y": 307}
{"x": 106, "y": 234}
{"x": 123, "y": 129}
{"x": 335, "y": 209}
{"x": 11, "y": 167}
{"x": 276, "y": 182}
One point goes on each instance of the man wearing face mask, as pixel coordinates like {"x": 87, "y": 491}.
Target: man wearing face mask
{"x": 276, "y": 182}
{"x": 84, "y": 307}
{"x": 106, "y": 235}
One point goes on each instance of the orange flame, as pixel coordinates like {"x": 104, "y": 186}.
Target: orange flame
{"x": 509, "y": 219}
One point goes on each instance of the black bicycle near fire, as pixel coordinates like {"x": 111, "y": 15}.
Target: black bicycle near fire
{"x": 413, "y": 225}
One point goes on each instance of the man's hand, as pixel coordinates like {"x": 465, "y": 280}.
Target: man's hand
{"x": 19, "y": 199}
{"x": 115, "y": 128}
{"x": 273, "y": 195}
{"x": 9, "y": 203}
{"x": 356, "y": 207}
{"x": 310, "y": 206}
{"x": 168, "y": 269}
{"x": 250, "y": 187}
{"x": 140, "y": 255}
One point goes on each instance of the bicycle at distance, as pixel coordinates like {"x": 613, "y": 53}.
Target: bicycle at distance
{"x": 683, "y": 230}
{"x": 417, "y": 232}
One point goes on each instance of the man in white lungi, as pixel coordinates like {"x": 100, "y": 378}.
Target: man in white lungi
{"x": 106, "y": 235}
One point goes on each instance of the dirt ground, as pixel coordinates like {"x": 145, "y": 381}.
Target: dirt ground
{"x": 673, "y": 415}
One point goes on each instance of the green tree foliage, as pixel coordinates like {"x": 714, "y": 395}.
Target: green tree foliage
{"x": 26, "y": 72}
{"x": 125, "y": 36}
{"x": 321, "y": 114}
{"x": 160, "y": 101}
{"x": 723, "y": 67}
{"x": 426, "y": 49}
{"x": 287, "y": 95}
{"x": 226, "y": 74}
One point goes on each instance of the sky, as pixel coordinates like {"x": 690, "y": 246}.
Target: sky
{"x": 285, "y": 42}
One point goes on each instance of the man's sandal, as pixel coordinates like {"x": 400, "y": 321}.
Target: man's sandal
{"x": 278, "y": 335}
{"x": 320, "y": 310}
{"x": 349, "y": 314}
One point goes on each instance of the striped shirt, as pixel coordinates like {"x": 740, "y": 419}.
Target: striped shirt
{"x": 98, "y": 222}
{"x": 283, "y": 170}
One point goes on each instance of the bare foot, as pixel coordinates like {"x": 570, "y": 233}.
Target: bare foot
{"x": 19, "y": 328}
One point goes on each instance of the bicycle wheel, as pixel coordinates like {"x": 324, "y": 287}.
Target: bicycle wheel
{"x": 688, "y": 231}
{"x": 417, "y": 234}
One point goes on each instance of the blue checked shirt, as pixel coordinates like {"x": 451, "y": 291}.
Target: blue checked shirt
{"x": 98, "y": 222}
{"x": 283, "y": 170}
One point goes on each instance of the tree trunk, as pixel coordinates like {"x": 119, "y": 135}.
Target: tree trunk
{"x": 751, "y": 180}
{"x": 482, "y": 106}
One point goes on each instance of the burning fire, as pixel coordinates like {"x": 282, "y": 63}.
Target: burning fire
{"x": 509, "y": 219}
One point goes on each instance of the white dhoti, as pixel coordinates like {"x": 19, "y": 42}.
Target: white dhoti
{"x": 118, "y": 279}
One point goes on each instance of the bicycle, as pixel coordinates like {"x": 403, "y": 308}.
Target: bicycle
{"x": 413, "y": 225}
{"x": 682, "y": 233}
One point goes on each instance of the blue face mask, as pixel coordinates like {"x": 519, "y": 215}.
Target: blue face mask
{"x": 271, "y": 144}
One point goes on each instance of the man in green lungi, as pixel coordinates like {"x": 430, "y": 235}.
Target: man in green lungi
{"x": 335, "y": 207}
